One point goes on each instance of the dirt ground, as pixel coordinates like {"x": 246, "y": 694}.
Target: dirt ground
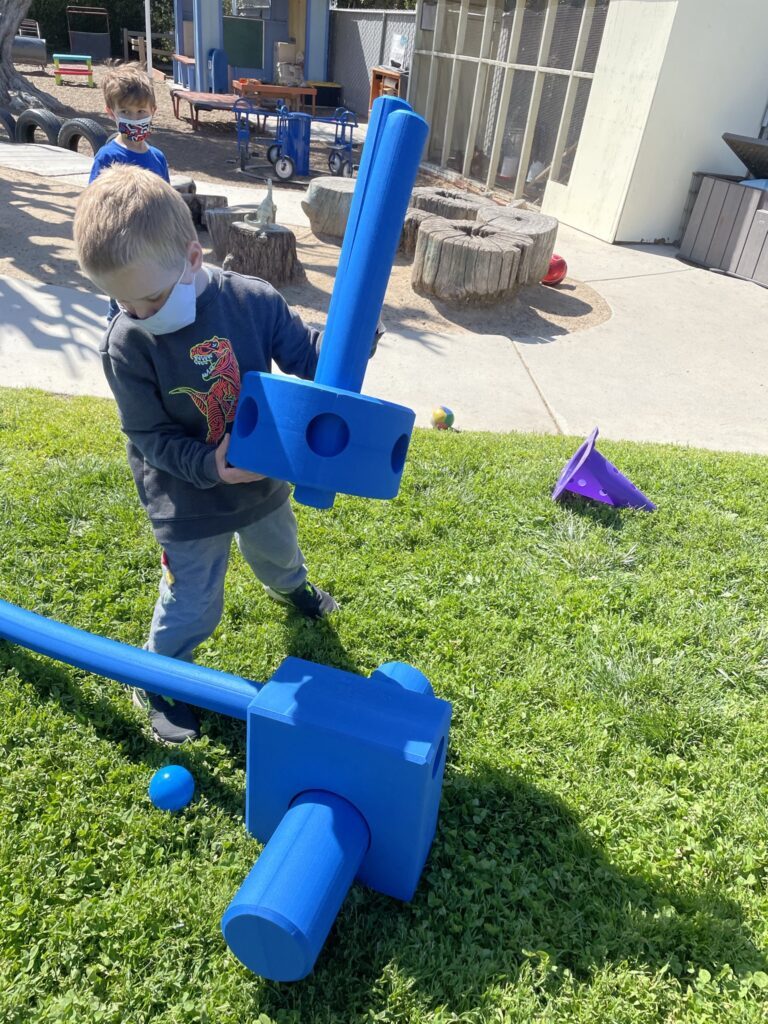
{"x": 36, "y": 234}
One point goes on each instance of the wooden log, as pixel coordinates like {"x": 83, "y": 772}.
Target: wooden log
{"x": 199, "y": 206}
{"x": 267, "y": 251}
{"x": 183, "y": 184}
{"x": 452, "y": 204}
{"x": 219, "y": 221}
{"x": 535, "y": 234}
{"x": 461, "y": 262}
{"x": 413, "y": 220}
{"x": 327, "y": 204}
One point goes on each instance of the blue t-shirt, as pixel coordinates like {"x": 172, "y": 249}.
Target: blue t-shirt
{"x": 113, "y": 153}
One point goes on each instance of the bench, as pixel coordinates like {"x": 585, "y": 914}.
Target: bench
{"x": 225, "y": 101}
{"x": 76, "y": 65}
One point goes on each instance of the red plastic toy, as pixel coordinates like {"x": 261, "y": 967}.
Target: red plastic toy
{"x": 558, "y": 268}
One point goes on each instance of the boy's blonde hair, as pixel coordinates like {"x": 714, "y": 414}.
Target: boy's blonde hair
{"x": 127, "y": 83}
{"x": 129, "y": 215}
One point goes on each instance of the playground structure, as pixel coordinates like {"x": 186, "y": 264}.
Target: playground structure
{"x": 323, "y": 435}
{"x": 342, "y": 772}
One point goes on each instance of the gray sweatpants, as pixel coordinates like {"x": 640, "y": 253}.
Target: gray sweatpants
{"x": 191, "y": 596}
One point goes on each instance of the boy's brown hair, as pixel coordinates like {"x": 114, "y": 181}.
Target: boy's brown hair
{"x": 127, "y": 83}
{"x": 127, "y": 215}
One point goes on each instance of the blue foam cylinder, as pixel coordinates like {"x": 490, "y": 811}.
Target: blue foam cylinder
{"x": 281, "y": 914}
{"x": 369, "y": 248}
{"x": 181, "y": 680}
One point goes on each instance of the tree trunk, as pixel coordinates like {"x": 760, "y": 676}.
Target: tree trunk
{"x": 201, "y": 205}
{"x": 413, "y": 220}
{"x": 446, "y": 202}
{"x": 536, "y": 231}
{"x": 461, "y": 262}
{"x": 219, "y": 224}
{"x": 16, "y": 93}
{"x": 267, "y": 251}
{"x": 327, "y": 205}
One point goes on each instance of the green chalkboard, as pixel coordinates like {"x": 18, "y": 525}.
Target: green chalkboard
{"x": 244, "y": 42}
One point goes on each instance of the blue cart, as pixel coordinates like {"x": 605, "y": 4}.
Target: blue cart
{"x": 289, "y": 153}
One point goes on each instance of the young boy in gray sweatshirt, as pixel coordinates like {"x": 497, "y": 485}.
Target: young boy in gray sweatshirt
{"x": 174, "y": 358}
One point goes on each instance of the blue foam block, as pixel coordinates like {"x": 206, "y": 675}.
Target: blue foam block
{"x": 378, "y": 746}
{"x": 302, "y": 432}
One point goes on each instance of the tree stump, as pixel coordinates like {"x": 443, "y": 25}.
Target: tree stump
{"x": 413, "y": 221}
{"x": 449, "y": 203}
{"x": 199, "y": 206}
{"x": 327, "y": 205}
{"x": 219, "y": 223}
{"x": 267, "y": 251}
{"x": 534, "y": 232}
{"x": 463, "y": 262}
{"x": 182, "y": 184}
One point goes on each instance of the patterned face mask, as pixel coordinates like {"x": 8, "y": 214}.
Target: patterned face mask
{"x": 135, "y": 130}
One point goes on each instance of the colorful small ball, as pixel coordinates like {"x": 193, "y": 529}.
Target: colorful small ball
{"x": 442, "y": 417}
{"x": 171, "y": 788}
{"x": 558, "y": 268}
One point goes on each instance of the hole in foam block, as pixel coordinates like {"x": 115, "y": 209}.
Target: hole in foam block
{"x": 247, "y": 418}
{"x": 399, "y": 451}
{"x": 438, "y": 758}
{"x": 327, "y": 434}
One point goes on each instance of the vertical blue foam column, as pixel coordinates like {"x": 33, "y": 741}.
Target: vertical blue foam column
{"x": 370, "y": 243}
{"x": 280, "y": 916}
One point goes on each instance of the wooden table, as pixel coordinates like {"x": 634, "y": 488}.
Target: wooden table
{"x": 291, "y": 93}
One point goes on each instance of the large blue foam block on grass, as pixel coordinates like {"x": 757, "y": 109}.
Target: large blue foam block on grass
{"x": 374, "y": 743}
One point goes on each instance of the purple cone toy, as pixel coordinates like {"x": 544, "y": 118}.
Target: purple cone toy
{"x": 591, "y": 475}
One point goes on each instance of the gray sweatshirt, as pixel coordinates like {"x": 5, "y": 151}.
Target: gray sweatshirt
{"x": 177, "y": 393}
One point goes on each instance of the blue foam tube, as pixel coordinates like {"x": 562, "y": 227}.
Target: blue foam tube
{"x": 281, "y": 914}
{"x": 369, "y": 251}
{"x": 181, "y": 680}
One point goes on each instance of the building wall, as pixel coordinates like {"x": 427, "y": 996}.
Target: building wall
{"x": 714, "y": 80}
{"x": 672, "y": 76}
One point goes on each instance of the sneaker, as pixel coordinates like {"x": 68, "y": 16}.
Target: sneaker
{"x": 307, "y": 599}
{"x": 171, "y": 720}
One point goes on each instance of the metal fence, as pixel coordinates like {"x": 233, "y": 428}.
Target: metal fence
{"x": 361, "y": 40}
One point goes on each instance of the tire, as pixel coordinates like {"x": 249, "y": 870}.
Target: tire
{"x": 273, "y": 153}
{"x": 8, "y": 121}
{"x": 347, "y": 170}
{"x": 284, "y": 168}
{"x": 49, "y": 123}
{"x": 78, "y": 128}
{"x": 334, "y": 161}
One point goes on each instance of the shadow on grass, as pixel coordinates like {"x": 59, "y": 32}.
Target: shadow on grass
{"x": 513, "y": 884}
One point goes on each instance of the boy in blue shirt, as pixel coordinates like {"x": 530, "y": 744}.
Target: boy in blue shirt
{"x": 130, "y": 101}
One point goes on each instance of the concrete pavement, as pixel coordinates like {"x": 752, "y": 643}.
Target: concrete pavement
{"x": 684, "y": 357}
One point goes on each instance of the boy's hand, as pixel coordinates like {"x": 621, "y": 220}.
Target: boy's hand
{"x": 230, "y": 474}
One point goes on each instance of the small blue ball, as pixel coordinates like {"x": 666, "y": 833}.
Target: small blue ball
{"x": 171, "y": 788}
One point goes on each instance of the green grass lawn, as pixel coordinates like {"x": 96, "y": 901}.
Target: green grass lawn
{"x": 601, "y": 851}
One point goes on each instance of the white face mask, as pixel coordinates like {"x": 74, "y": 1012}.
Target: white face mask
{"x": 179, "y": 309}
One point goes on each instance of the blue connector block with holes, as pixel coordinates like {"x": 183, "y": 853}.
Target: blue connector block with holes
{"x": 324, "y": 436}
{"x": 343, "y": 780}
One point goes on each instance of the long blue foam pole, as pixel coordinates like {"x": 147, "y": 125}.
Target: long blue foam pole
{"x": 280, "y": 916}
{"x": 181, "y": 680}
{"x": 368, "y": 251}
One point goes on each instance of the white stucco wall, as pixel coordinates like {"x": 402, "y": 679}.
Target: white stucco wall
{"x": 714, "y": 79}
{"x": 671, "y": 77}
